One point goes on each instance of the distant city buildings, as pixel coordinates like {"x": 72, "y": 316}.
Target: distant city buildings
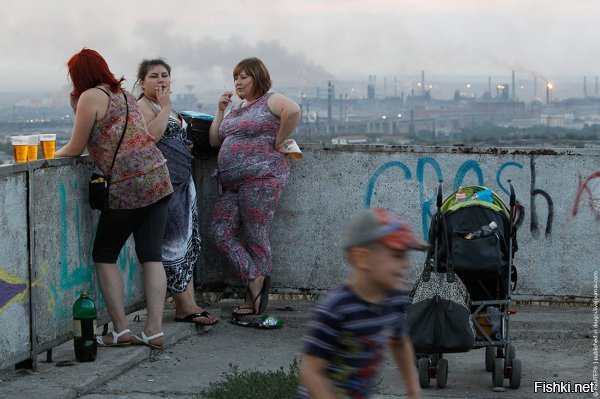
{"x": 394, "y": 111}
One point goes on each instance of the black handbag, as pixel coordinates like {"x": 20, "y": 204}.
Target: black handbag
{"x": 439, "y": 317}
{"x": 98, "y": 195}
{"x": 99, "y": 185}
{"x": 198, "y": 126}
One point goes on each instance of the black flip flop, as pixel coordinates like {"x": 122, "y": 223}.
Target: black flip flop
{"x": 190, "y": 318}
{"x": 264, "y": 300}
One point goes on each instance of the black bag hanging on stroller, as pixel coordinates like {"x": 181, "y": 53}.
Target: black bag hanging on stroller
{"x": 440, "y": 317}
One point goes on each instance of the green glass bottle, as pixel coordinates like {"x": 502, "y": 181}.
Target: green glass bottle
{"x": 84, "y": 328}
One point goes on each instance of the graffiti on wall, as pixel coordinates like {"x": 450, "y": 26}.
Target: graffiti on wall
{"x": 12, "y": 289}
{"x": 584, "y": 187}
{"x": 81, "y": 274}
{"x": 76, "y": 269}
{"x": 533, "y": 222}
{"x": 470, "y": 169}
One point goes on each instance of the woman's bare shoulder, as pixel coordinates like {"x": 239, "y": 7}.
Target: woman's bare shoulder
{"x": 93, "y": 98}
{"x": 278, "y": 102}
{"x": 147, "y": 109}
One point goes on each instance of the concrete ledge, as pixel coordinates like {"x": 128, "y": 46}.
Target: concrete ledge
{"x": 42, "y": 163}
{"x": 75, "y": 379}
{"x": 540, "y": 334}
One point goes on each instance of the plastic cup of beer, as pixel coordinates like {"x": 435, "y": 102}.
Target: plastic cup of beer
{"x": 33, "y": 142}
{"x": 292, "y": 149}
{"x": 20, "y": 144}
{"x": 48, "y": 142}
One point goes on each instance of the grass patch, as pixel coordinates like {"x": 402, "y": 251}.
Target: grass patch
{"x": 238, "y": 384}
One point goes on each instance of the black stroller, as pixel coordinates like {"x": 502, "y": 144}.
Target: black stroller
{"x": 473, "y": 241}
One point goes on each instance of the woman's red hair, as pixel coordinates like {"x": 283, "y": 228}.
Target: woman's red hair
{"x": 88, "y": 69}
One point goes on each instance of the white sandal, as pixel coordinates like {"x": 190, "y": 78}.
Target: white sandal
{"x": 145, "y": 340}
{"x": 115, "y": 341}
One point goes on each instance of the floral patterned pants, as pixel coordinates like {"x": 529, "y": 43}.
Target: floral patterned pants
{"x": 248, "y": 211}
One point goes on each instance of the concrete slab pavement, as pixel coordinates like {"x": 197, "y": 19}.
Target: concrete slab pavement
{"x": 554, "y": 344}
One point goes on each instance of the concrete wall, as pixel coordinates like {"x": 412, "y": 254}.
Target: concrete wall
{"x": 47, "y": 231}
{"x": 14, "y": 271}
{"x": 47, "y": 228}
{"x": 558, "y": 236}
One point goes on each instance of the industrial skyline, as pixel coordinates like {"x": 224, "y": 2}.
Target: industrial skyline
{"x": 512, "y": 85}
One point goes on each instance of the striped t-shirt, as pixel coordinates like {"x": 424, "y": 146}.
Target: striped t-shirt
{"x": 351, "y": 335}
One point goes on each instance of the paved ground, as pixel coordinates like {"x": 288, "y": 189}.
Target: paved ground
{"x": 554, "y": 344}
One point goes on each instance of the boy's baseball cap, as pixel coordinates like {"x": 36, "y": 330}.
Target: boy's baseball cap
{"x": 383, "y": 226}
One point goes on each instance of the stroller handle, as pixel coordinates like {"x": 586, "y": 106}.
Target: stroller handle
{"x": 439, "y": 200}
{"x": 512, "y": 194}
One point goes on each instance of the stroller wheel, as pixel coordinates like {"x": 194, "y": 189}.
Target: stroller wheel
{"x": 418, "y": 357}
{"x": 490, "y": 355}
{"x": 442, "y": 373}
{"x": 515, "y": 375}
{"x": 510, "y": 353}
{"x": 498, "y": 372}
{"x": 424, "y": 372}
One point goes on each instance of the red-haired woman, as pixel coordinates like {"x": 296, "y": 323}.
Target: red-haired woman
{"x": 139, "y": 193}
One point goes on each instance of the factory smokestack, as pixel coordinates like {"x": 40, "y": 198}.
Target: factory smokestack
{"x": 585, "y": 87}
{"x": 330, "y": 98}
{"x": 513, "y": 86}
{"x": 385, "y": 87}
{"x": 423, "y": 83}
{"x": 490, "y": 85}
{"x": 535, "y": 87}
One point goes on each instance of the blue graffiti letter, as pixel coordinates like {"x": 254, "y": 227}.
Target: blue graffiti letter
{"x": 426, "y": 205}
{"x": 378, "y": 172}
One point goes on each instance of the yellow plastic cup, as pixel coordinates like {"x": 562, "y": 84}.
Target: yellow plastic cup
{"x": 48, "y": 142}
{"x": 20, "y": 147}
{"x": 32, "y": 147}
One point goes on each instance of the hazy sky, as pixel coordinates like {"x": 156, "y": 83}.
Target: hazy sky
{"x": 301, "y": 41}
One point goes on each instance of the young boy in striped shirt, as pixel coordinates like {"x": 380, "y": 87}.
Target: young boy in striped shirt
{"x": 346, "y": 339}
